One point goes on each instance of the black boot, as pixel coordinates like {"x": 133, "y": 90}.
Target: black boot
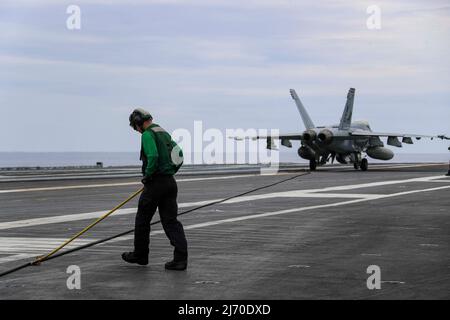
{"x": 131, "y": 257}
{"x": 178, "y": 265}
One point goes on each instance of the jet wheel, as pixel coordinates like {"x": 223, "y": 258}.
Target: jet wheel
{"x": 312, "y": 165}
{"x": 364, "y": 164}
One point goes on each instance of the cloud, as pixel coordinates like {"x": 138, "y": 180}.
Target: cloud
{"x": 224, "y": 62}
{"x": 208, "y": 3}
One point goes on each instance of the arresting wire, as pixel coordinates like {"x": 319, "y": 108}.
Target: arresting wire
{"x": 54, "y": 253}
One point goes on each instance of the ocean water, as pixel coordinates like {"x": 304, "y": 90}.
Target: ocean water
{"x": 55, "y": 159}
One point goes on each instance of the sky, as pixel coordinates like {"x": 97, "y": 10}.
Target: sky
{"x": 228, "y": 63}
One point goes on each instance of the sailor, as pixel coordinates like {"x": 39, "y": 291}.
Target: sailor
{"x": 161, "y": 158}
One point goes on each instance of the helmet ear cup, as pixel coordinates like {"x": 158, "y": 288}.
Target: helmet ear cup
{"x": 135, "y": 120}
{"x": 138, "y": 117}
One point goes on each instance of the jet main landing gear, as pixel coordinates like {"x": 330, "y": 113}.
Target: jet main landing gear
{"x": 363, "y": 165}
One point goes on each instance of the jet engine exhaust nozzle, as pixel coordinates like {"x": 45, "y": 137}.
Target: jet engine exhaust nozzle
{"x": 325, "y": 136}
{"x": 309, "y": 135}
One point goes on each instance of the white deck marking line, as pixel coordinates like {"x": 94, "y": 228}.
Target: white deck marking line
{"x": 24, "y": 248}
{"x": 94, "y": 171}
{"x": 121, "y": 184}
{"x": 382, "y": 166}
{"x": 36, "y": 245}
{"x": 295, "y": 210}
{"x": 21, "y": 242}
{"x": 375, "y": 184}
{"x": 388, "y": 166}
{"x": 93, "y": 215}
{"x": 81, "y": 216}
{"x": 16, "y": 257}
{"x": 296, "y": 193}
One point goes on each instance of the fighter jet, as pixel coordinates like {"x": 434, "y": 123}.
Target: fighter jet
{"x": 346, "y": 142}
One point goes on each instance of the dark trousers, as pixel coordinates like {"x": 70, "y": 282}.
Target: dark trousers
{"x": 161, "y": 192}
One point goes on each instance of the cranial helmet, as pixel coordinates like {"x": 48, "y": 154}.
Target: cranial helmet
{"x": 138, "y": 117}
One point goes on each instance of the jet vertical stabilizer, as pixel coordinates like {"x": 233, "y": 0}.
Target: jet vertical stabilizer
{"x": 305, "y": 117}
{"x": 348, "y": 111}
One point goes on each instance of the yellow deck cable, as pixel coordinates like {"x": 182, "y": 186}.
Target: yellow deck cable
{"x": 43, "y": 258}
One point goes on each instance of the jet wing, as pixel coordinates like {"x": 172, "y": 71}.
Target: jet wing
{"x": 285, "y": 139}
{"x": 290, "y": 136}
{"x": 393, "y": 137}
{"x": 389, "y": 134}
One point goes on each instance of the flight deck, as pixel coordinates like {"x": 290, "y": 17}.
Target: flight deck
{"x": 312, "y": 237}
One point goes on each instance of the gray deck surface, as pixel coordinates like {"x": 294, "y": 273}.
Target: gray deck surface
{"x": 309, "y": 238}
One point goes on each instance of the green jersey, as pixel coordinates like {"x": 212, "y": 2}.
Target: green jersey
{"x": 159, "y": 153}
